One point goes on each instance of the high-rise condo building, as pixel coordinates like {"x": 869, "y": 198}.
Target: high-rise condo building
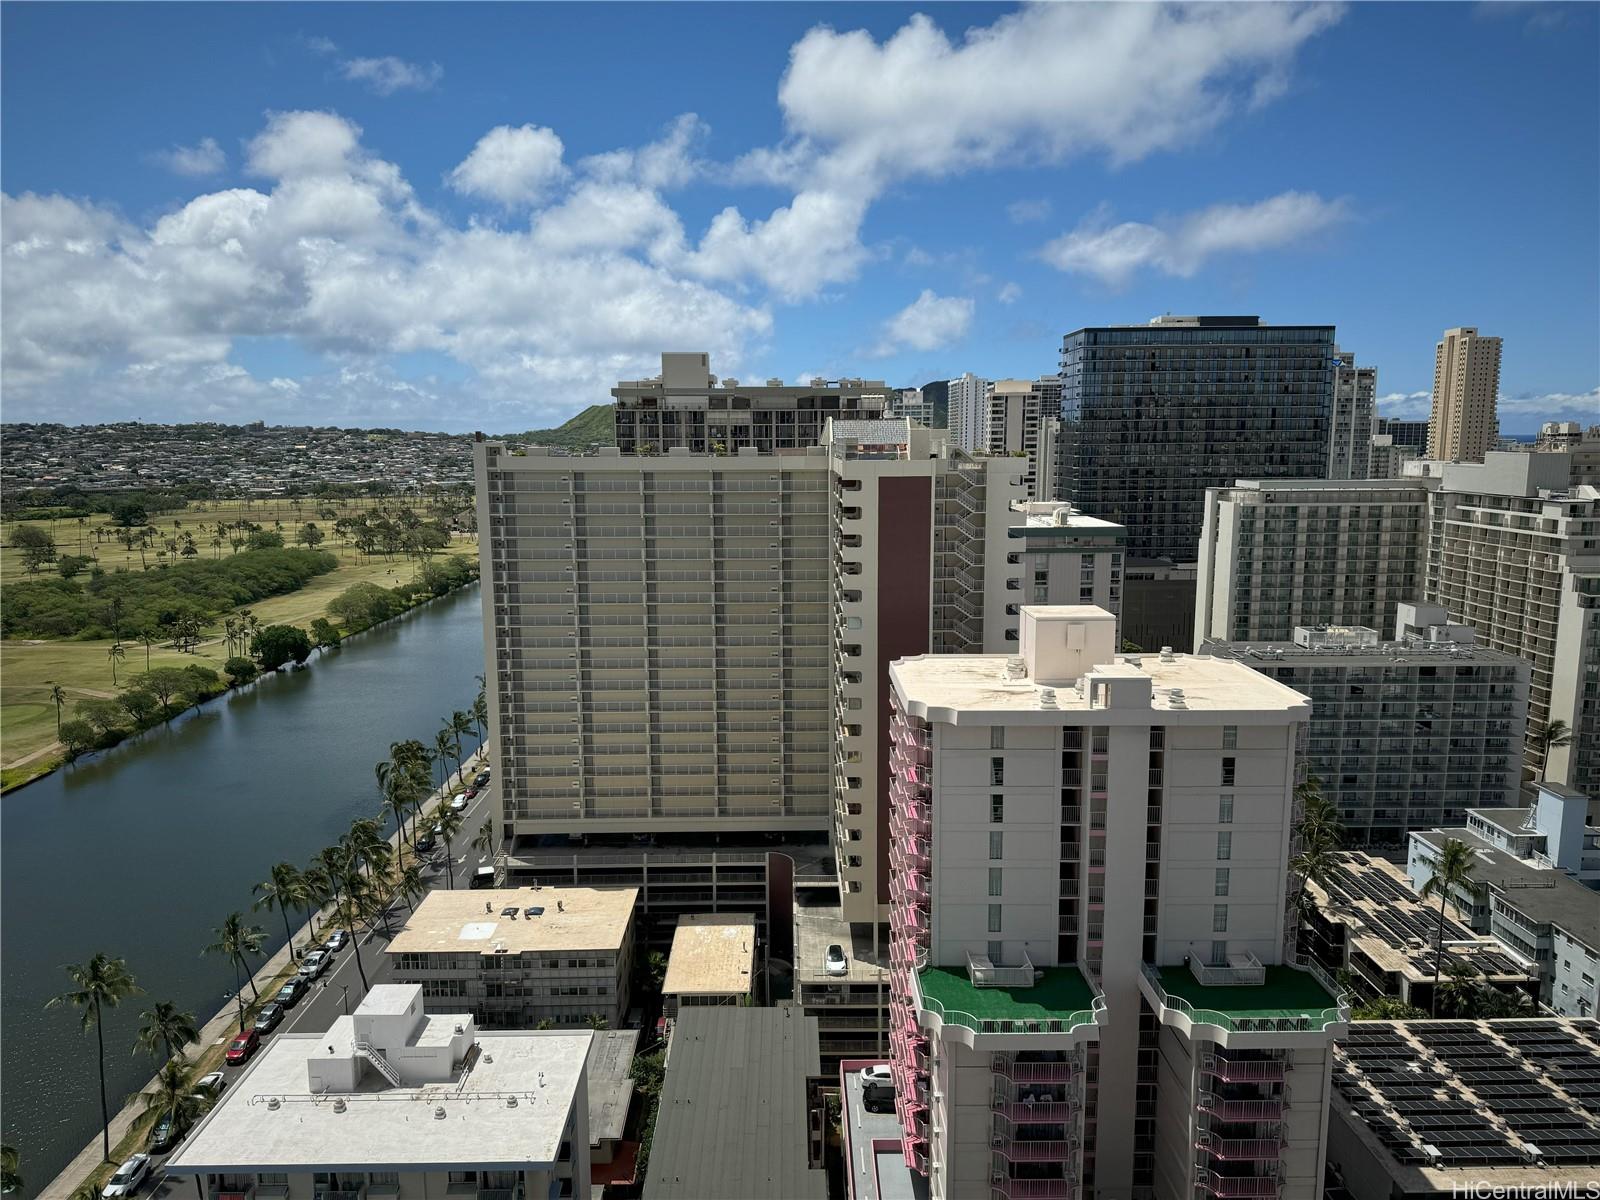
{"x": 1506, "y": 546}
{"x": 1355, "y": 391}
{"x": 1466, "y": 383}
{"x": 1068, "y": 557}
{"x": 686, "y": 406}
{"x": 1152, "y": 415}
{"x": 1407, "y": 733}
{"x": 1090, "y": 895}
{"x": 1404, "y": 433}
{"x": 1018, "y": 413}
{"x": 911, "y": 404}
{"x": 1386, "y": 458}
{"x": 1275, "y": 555}
{"x": 968, "y": 409}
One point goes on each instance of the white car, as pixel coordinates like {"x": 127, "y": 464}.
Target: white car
{"x": 458, "y": 801}
{"x": 128, "y": 1177}
{"x": 877, "y": 1076}
{"x": 314, "y": 964}
{"x": 836, "y": 963}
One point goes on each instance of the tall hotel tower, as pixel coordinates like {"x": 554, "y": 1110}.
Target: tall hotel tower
{"x": 1089, "y": 993}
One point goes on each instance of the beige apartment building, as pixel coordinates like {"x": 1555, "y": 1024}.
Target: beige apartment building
{"x": 1019, "y": 413}
{"x": 1355, "y": 391}
{"x": 1466, "y": 383}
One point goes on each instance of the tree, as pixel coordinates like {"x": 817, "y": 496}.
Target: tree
{"x": 1319, "y": 834}
{"x": 483, "y": 840}
{"x": 104, "y": 715}
{"x": 173, "y": 1100}
{"x": 116, "y": 654}
{"x": 410, "y": 885}
{"x": 1452, "y": 871}
{"x": 1387, "y": 1008}
{"x": 461, "y": 726}
{"x": 167, "y": 685}
{"x": 239, "y": 670}
{"x": 396, "y": 795}
{"x": 58, "y": 697}
{"x": 597, "y": 1020}
{"x": 234, "y": 941}
{"x": 314, "y": 879}
{"x": 480, "y": 716}
{"x": 78, "y": 737}
{"x": 264, "y": 539}
{"x": 1554, "y": 735}
{"x": 449, "y": 828}
{"x": 324, "y": 632}
{"x": 1460, "y": 991}
{"x": 309, "y": 535}
{"x": 441, "y": 746}
{"x": 282, "y": 890}
{"x": 276, "y": 645}
{"x": 97, "y": 985}
{"x": 10, "y": 1170}
{"x": 149, "y": 639}
{"x": 70, "y": 566}
{"x": 139, "y": 704}
{"x": 337, "y": 870}
{"x": 166, "y": 1028}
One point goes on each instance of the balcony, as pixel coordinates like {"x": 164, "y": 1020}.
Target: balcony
{"x": 1022, "y": 1150}
{"x": 1025, "y": 1112}
{"x": 1231, "y": 1070}
{"x": 1033, "y": 1189}
{"x": 1241, "y": 1149}
{"x": 983, "y": 973}
{"x": 1240, "y": 1110}
{"x": 1034, "y": 1072}
{"x": 1229, "y": 1186}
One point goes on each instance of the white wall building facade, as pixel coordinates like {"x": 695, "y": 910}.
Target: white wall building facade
{"x": 968, "y": 413}
{"x": 1355, "y": 391}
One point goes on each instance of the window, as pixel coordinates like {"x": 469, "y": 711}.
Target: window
{"x": 1230, "y": 737}
{"x": 1225, "y": 809}
{"x": 1227, "y": 772}
{"x": 997, "y": 737}
{"x": 997, "y": 772}
{"x": 994, "y": 918}
{"x": 1219, "y": 918}
{"x": 997, "y": 846}
{"x": 1219, "y": 954}
{"x": 1224, "y": 846}
{"x": 1222, "y": 882}
{"x": 994, "y": 881}
{"x": 997, "y": 808}
{"x": 996, "y": 951}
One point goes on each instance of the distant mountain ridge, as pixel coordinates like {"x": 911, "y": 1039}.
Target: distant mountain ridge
{"x": 592, "y": 427}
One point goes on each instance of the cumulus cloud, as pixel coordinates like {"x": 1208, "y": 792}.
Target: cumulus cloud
{"x": 1021, "y": 212}
{"x": 1534, "y": 407}
{"x": 388, "y": 75}
{"x": 1010, "y": 293}
{"x": 1181, "y": 246}
{"x": 668, "y": 162}
{"x": 927, "y": 323}
{"x": 512, "y": 165}
{"x": 101, "y": 314}
{"x": 203, "y": 158}
{"x": 1408, "y": 406}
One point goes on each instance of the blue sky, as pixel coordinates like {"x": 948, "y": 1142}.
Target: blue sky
{"x": 480, "y": 216}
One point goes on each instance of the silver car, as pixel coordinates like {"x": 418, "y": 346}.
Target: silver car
{"x": 128, "y": 1178}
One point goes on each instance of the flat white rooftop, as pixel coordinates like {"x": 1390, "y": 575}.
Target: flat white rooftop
{"x": 953, "y": 686}
{"x": 506, "y": 1107}
{"x": 517, "y": 920}
{"x": 712, "y": 955}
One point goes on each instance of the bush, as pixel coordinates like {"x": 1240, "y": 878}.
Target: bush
{"x": 73, "y": 564}
{"x": 239, "y": 670}
{"x": 323, "y": 632}
{"x": 105, "y": 716}
{"x": 78, "y": 736}
{"x": 279, "y": 644}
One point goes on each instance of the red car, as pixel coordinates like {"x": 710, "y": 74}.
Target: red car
{"x": 242, "y": 1047}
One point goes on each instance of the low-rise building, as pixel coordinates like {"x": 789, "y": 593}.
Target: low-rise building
{"x": 1368, "y": 921}
{"x": 1068, "y": 557}
{"x": 1553, "y": 831}
{"x": 713, "y": 961}
{"x": 514, "y": 957}
{"x": 1428, "y": 1109}
{"x": 850, "y": 1003}
{"x": 610, "y": 1099}
{"x": 736, "y": 1117}
{"x": 872, "y": 1139}
{"x": 394, "y": 1102}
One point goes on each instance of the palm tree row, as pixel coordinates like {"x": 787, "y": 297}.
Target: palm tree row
{"x": 1318, "y": 836}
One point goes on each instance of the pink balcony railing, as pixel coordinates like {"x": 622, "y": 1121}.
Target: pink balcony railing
{"x": 1237, "y": 1185}
{"x": 1035, "y": 1072}
{"x": 1035, "y": 1189}
{"x": 1241, "y": 1149}
{"x": 1247, "y": 1071}
{"x": 1241, "y": 1110}
{"x": 916, "y": 1152}
{"x": 1040, "y": 1111}
{"x": 1033, "y": 1151}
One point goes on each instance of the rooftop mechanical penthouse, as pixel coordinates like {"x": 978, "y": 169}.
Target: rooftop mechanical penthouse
{"x": 1089, "y": 987}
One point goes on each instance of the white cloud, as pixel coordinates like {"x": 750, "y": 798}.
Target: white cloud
{"x": 1010, "y": 293}
{"x": 1181, "y": 246}
{"x": 1583, "y": 407}
{"x": 1408, "y": 406}
{"x": 513, "y": 165}
{"x": 666, "y": 163}
{"x": 99, "y": 315}
{"x": 1021, "y": 212}
{"x": 203, "y": 158}
{"x": 800, "y": 248}
{"x": 388, "y": 75}
{"x": 927, "y": 323}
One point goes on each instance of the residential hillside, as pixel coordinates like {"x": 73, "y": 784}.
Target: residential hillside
{"x": 592, "y": 427}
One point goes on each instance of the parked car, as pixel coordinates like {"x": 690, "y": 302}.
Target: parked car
{"x": 471, "y": 793}
{"x": 164, "y": 1136}
{"x": 877, "y": 1076}
{"x": 242, "y": 1047}
{"x": 211, "y": 1085}
{"x": 128, "y": 1177}
{"x": 835, "y": 962}
{"x": 424, "y": 841}
{"x": 314, "y": 964}
{"x": 289, "y": 994}
{"x": 458, "y": 802}
{"x": 337, "y": 941}
{"x": 481, "y": 778}
{"x": 269, "y": 1018}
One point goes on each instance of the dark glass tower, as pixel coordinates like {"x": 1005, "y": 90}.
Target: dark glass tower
{"x": 1152, "y": 415}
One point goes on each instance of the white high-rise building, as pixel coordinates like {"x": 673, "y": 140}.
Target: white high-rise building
{"x": 1386, "y": 458}
{"x": 969, "y": 413}
{"x": 1090, "y": 882}
{"x": 1355, "y": 391}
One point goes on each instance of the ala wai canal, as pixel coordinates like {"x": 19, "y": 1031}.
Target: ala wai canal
{"x": 141, "y": 850}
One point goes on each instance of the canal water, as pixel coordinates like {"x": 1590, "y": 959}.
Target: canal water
{"x": 142, "y": 850}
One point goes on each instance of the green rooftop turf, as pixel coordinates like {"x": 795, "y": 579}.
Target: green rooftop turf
{"x": 1060, "y": 993}
{"x": 1287, "y": 993}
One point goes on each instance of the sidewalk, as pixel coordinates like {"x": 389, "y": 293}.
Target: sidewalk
{"x": 214, "y": 1032}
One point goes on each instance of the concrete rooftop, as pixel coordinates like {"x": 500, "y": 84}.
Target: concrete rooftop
{"x": 712, "y": 955}
{"x": 476, "y": 921}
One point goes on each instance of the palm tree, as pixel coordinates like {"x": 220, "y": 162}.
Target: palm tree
{"x": 1460, "y": 990}
{"x": 449, "y": 828}
{"x": 480, "y": 716}
{"x": 234, "y": 941}
{"x": 58, "y": 697}
{"x": 10, "y": 1170}
{"x": 166, "y": 1028}
{"x": 97, "y": 985}
{"x": 345, "y": 872}
{"x": 483, "y": 840}
{"x": 1452, "y": 870}
{"x": 410, "y": 885}
{"x": 1319, "y": 835}
{"x": 282, "y": 891}
{"x": 317, "y": 893}
{"x": 116, "y": 654}
{"x": 441, "y": 746}
{"x": 461, "y": 726}
{"x": 597, "y": 1020}
{"x": 173, "y": 1100}
{"x": 149, "y": 640}
{"x": 1555, "y": 734}
{"x": 397, "y": 799}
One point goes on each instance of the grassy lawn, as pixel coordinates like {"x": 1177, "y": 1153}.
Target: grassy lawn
{"x": 1286, "y": 994}
{"x": 28, "y": 668}
{"x": 1061, "y": 992}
